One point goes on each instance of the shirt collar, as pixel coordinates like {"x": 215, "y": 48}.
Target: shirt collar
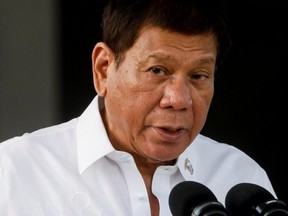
{"x": 92, "y": 139}
{"x": 186, "y": 165}
{"x": 189, "y": 162}
{"x": 93, "y": 142}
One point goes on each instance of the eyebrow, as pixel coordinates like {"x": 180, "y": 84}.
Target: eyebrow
{"x": 160, "y": 56}
{"x": 207, "y": 60}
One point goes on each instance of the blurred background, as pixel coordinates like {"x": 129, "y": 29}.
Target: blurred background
{"x": 46, "y": 75}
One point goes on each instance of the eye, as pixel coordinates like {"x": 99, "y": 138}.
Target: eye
{"x": 199, "y": 76}
{"x": 157, "y": 70}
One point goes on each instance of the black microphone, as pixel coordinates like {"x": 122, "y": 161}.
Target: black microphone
{"x": 253, "y": 200}
{"x": 190, "y": 198}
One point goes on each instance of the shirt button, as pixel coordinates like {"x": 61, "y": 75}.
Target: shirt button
{"x": 166, "y": 170}
{"x": 141, "y": 197}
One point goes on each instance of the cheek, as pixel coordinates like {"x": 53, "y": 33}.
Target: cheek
{"x": 205, "y": 96}
{"x": 201, "y": 106}
{"x": 130, "y": 97}
{"x": 127, "y": 104}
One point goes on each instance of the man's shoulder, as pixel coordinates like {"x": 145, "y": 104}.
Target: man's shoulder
{"x": 213, "y": 148}
{"x": 45, "y": 138}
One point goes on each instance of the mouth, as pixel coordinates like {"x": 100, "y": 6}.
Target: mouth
{"x": 170, "y": 130}
{"x": 169, "y": 134}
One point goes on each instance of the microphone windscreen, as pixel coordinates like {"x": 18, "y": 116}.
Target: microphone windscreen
{"x": 185, "y": 196}
{"x": 244, "y": 197}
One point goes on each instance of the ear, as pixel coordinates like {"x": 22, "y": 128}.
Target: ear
{"x": 102, "y": 57}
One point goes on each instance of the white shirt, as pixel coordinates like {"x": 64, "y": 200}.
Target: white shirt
{"x": 72, "y": 169}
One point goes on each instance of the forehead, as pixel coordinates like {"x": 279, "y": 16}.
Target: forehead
{"x": 154, "y": 41}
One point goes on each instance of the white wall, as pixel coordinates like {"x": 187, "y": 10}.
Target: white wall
{"x": 28, "y": 66}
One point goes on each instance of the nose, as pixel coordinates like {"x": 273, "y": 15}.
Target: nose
{"x": 177, "y": 95}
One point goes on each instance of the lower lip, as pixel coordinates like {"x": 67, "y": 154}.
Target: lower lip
{"x": 169, "y": 136}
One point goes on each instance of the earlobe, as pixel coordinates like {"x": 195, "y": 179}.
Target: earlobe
{"x": 101, "y": 59}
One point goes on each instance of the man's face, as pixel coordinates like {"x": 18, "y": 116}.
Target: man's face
{"x": 158, "y": 98}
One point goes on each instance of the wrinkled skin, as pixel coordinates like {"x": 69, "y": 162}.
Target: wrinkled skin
{"x": 158, "y": 98}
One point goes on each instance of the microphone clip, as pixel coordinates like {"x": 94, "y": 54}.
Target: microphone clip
{"x": 271, "y": 208}
{"x": 208, "y": 208}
